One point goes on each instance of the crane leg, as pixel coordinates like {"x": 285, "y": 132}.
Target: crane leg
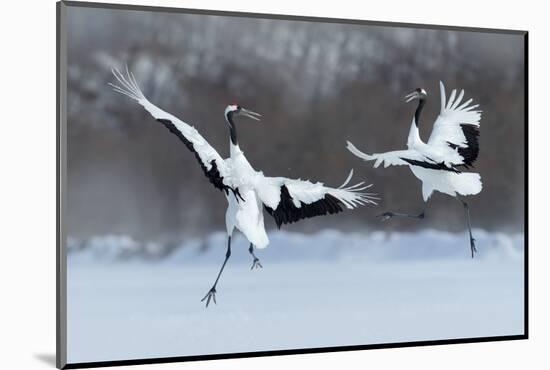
{"x": 211, "y": 295}
{"x": 256, "y": 262}
{"x": 472, "y": 240}
{"x": 387, "y": 215}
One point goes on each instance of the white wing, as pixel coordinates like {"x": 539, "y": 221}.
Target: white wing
{"x": 290, "y": 200}
{"x": 211, "y": 162}
{"x": 393, "y": 158}
{"x": 409, "y": 157}
{"x": 457, "y": 127}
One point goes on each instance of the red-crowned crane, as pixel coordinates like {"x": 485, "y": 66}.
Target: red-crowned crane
{"x": 248, "y": 191}
{"x": 452, "y": 146}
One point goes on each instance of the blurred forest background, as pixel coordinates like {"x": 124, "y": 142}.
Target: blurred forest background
{"x": 316, "y": 85}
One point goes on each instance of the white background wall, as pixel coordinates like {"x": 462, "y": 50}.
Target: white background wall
{"x": 27, "y": 185}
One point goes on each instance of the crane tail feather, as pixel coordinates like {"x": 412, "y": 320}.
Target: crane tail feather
{"x": 451, "y": 99}
{"x": 127, "y": 85}
{"x": 354, "y": 195}
{"x": 359, "y": 153}
{"x": 347, "y": 179}
{"x": 442, "y": 94}
{"x": 465, "y": 104}
{"x": 458, "y": 99}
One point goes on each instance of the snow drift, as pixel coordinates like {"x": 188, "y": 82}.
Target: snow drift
{"x": 319, "y": 290}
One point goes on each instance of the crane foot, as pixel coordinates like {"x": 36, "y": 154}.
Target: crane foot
{"x": 256, "y": 264}
{"x": 385, "y": 216}
{"x": 211, "y": 295}
{"x": 473, "y": 246}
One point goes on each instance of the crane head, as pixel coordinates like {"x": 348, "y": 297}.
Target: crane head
{"x": 237, "y": 110}
{"x": 416, "y": 94}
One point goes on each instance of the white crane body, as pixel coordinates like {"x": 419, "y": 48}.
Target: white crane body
{"x": 248, "y": 191}
{"x": 439, "y": 162}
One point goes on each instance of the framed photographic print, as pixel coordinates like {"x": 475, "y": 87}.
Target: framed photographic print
{"x": 235, "y": 184}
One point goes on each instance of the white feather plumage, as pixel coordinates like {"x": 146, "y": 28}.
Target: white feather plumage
{"x": 437, "y": 151}
{"x": 452, "y": 145}
{"x": 248, "y": 191}
{"x": 236, "y": 172}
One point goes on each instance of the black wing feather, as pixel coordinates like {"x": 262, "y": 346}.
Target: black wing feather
{"x": 471, "y": 151}
{"x": 286, "y": 212}
{"x": 431, "y": 165}
{"x": 213, "y": 173}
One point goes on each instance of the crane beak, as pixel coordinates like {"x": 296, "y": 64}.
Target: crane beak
{"x": 410, "y": 96}
{"x": 250, "y": 114}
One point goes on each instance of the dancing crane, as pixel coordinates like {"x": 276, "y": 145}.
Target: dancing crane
{"x": 452, "y": 146}
{"x": 249, "y": 192}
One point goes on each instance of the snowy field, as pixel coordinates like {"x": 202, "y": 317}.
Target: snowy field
{"x": 326, "y": 289}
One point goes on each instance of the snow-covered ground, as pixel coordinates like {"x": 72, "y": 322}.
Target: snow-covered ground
{"x": 326, "y": 289}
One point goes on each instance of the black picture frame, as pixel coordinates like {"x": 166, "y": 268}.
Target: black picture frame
{"x": 61, "y": 161}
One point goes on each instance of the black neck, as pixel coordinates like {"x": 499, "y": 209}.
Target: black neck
{"x": 232, "y": 128}
{"x": 421, "y": 103}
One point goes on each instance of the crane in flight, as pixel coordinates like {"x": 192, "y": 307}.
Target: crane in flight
{"x": 249, "y": 192}
{"x": 438, "y": 164}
